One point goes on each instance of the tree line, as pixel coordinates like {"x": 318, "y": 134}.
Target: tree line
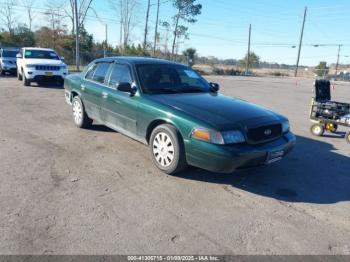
{"x": 52, "y": 25}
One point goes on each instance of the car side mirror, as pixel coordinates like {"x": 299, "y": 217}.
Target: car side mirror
{"x": 214, "y": 87}
{"x": 62, "y": 58}
{"x": 19, "y": 56}
{"x": 126, "y": 87}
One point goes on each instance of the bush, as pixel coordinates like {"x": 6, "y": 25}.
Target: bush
{"x": 278, "y": 74}
{"x": 227, "y": 72}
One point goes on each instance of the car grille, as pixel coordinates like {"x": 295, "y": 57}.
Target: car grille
{"x": 264, "y": 134}
{"x": 47, "y": 68}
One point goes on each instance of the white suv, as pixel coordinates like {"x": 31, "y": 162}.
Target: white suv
{"x": 40, "y": 64}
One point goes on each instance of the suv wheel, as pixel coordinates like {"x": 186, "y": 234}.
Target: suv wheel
{"x": 167, "y": 149}
{"x": 80, "y": 117}
{"x": 26, "y": 82}
{"x": 19, "y": 76}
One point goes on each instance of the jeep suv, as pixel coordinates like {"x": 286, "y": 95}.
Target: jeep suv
{"x": 39, "y": 65}
{"x": 8, "y": 60}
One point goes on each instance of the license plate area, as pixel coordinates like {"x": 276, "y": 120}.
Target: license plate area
{"x": 274, "y": 156}
{"x": 48, "y": 73}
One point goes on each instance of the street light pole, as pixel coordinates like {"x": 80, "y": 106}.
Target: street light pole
{"x": 77, "y": 38}
{"x": 156, "y": 30}
{"x": 301, "y": 43}
{"x": 106, "y": 43}
{"x": 248, "y": 54}
{"x": 336, "y": 67}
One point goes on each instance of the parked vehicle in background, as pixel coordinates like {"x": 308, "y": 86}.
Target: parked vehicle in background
{"x": 181, "y": 116}
{"x": 40, "y": 65}
{"x": 8, "y": 60}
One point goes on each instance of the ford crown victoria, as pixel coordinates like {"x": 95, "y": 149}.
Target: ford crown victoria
{"x": 182, "y": 117}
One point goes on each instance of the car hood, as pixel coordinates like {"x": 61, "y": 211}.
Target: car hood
{"x": 220, "y": 111}
{"x": 10, "y": 60}
{"x": 44, "y": 62}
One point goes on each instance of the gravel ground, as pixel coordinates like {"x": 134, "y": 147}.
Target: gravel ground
{"x": 70, "y": 191}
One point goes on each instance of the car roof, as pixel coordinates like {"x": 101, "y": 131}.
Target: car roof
{"x": 39, "y": 48}
{"x": 135, "y": 60}
{"x": 10, "y": 48}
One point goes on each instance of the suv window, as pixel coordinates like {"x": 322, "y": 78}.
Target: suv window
{"x": 100, "y": 72}
{"x": 120, "y": 74}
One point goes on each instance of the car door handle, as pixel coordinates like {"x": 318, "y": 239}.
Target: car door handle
{"x": 104, "y": 95}
{"x": 83, "y": 87}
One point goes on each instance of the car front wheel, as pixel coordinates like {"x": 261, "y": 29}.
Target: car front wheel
{"x": 19, "y": 76}
{"x": 80, "y": 117}
{"x": 26, "y": 82}
{"x": 167, "y": 149}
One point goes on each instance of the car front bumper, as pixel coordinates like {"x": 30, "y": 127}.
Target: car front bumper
{"x": 9, "y": 69}
{"x": 45, "y": 76}
{"x": 228, "y": 158}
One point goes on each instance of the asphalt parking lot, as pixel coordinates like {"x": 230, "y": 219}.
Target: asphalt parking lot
{"x": 70, "y": 191}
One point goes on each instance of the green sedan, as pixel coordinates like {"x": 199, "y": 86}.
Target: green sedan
{"x": 178, "y": 114}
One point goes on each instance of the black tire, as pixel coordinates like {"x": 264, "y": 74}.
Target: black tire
{"x": 347, "y": 137}
{"x": 83, "y": 121}
{"x": 2, "y": 73}
{"x": 61, "y": 83}
{"x": 317, "y": 129}
{"x": 162, "y": 152}
{"x": 19, "y": 76}
{"x": 26, "y": 82}
{"x": 331, "y": 127}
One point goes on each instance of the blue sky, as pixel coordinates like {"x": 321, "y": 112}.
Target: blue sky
{"x": 222, "y": 28}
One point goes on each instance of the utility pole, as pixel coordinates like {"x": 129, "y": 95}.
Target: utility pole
{"x": 106, "y": 43}
{"x": 77, "y": 38}
{"x": 300, "y": 43}
{"x": 156, "y": 30}
{"x": 146, "y": 26}
{"x": 248, "y": 54}
{"x": 336, "y": 67}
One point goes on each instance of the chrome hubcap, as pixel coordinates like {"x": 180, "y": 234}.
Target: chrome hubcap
{"x": 163, "y": 149}
{"x": 77, "y": 112}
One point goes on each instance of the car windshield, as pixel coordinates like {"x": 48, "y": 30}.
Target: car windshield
{"x": 41, "y": 54}
{"x": 170, "y": 79}
{"x": 9, "y": 53}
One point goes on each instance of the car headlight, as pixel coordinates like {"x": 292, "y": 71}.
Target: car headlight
{"x": 64, "y": 67}
{"x": 30, "y": 66}
{"x": 233, "y": 137}
{"x": 285, "y": 127}
{"x": 218, "y": 138}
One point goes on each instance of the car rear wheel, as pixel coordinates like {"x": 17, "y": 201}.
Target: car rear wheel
{"x": 167, "y": 149}
{"x": 80, "y": 117}
{"x": 317, "y": 129}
